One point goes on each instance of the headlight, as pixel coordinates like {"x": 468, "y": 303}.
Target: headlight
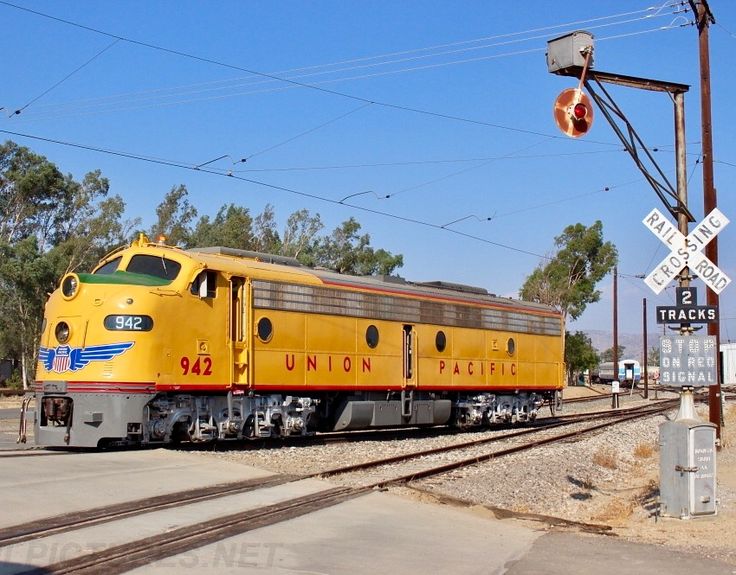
{"x": 62, "y": 332}
{"x": 69, "y": 286}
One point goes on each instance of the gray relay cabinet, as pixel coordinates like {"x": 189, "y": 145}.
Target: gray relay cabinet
{"x": 687, "y": 463}
{"x": 567, "y": 52}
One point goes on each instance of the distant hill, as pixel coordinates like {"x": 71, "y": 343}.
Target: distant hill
{"x": 632, "y": 342}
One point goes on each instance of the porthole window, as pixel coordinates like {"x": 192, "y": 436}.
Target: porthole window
{"x": 62, "y": 332}
{"x": 440, "y": 341}
{"x": 371, "y": 336}
{"x": 265, "y": 329}
{"x": 511, "y": 346}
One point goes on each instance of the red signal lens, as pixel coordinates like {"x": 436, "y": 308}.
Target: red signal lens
{"x": 580, "y": 111}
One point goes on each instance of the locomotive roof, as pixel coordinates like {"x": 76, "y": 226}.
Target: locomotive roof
{"x": 394, "y": 285}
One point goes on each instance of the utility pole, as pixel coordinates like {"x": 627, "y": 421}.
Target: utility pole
{"x": 704, "y": 17}
{"x": 646, "y": 349}
{"x": 615, "y": 324}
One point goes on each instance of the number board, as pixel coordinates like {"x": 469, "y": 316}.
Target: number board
{"x": 687, "y": 311}
{"x": 687, "y": 360}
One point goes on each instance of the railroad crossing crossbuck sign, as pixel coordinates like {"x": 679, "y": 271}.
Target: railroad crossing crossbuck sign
{"x": 686, "y": 251}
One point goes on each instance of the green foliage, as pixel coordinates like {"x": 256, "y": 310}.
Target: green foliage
{"x": 300, "y": 236}
{"x": 173, "y": 217}
{"x": 567, "y": 281}
{"x": 33, "y": 195}
{"x": 607, "y": 355}
{"x": 579, "y": 354}
{"x": 232, "y": 227}
{"x": 50, "y": 224}
{"x": 14, "y": 381}
{"x": 344, "y": 251}
{"x": 26, "y": 276}
{"x": 266, "y": 237}
{"x": 653, "y": 356}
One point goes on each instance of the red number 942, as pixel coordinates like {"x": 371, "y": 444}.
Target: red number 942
{"x": 201, "y": 366}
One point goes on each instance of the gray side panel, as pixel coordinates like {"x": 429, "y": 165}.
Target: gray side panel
{"x": 364, "y": 414}
{"x": 442, "y": 411}
{"x": 386, "y": 413}
{"x": 355, "y": 415}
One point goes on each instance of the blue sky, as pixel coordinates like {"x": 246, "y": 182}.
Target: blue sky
{"x": 445, "y": 107}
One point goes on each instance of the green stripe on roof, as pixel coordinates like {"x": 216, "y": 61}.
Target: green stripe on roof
{"x": 123, "y": 278}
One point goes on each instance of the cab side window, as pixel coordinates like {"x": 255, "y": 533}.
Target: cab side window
{"x": 205, "y": 284}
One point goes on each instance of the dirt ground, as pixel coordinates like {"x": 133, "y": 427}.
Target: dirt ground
{"x": 713, "y": 536}
{"x": 633, "y": 512}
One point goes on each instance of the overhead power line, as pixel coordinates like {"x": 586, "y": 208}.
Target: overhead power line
{"x": 292, "y": 82}
{"x": 65, "y": 78}
{"x": 274, "y": 187}
{"x": 342, "y": 202}
{"x": 318, "y": 70}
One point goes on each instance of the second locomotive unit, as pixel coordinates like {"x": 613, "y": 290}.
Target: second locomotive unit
{"x": 160, "y": 344}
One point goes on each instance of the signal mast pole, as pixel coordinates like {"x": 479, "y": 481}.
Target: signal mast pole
{"x": 704, "y": 17}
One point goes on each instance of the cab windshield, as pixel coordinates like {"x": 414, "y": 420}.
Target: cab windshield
{"x": 109, "y": 267}
{"x": 156, "y": 266}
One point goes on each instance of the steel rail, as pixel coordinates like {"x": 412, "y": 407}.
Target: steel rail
{"x": 128, "y": 556}
{"x": 71, "y": 521}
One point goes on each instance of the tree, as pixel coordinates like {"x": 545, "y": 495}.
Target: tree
{"x": 567, "y": 281}
{"x": 579, "y": 354}
{"x": 50, "y": 224}
{"x": 266, "y": 237}
{"x": 300, "y": 236}
{"x": 174, "y": 215}
{"x": 33, "y": 195}
{"x": 232, "y": 227}
{"x": 607, "y": 355}
{"x": 26, "y": 277}
{"x": 653, "y": 356}
{"x": 344, "y": 251}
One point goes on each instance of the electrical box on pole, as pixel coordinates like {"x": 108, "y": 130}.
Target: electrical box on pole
{"x": 566, "y": 54}
{"x": 687, "y": 454}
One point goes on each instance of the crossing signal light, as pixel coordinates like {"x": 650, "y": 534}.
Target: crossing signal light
{"x": 573, "y": 112}
{"x": 580, "y": 111}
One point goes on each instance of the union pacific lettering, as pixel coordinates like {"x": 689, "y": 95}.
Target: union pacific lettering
{"x": 330, "y": 363}
{"x": 477, "y": 368}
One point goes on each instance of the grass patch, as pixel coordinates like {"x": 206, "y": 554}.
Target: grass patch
{"x": 617, "y": 510}
{"x": 606, "y": 458}
{"x": 644, "y": 451}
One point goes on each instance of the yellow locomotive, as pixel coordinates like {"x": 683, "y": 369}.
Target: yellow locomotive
{"x": 160, "y": 344}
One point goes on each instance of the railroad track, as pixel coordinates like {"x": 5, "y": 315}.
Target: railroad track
{"x": 129, "y": 555}
{"x": 469, "y": 453}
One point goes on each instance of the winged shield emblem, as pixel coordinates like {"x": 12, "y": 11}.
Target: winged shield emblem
{"x": 65, "y": 358}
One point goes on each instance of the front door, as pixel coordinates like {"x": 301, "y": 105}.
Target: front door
{"x": 239, "y": 330}
{"x": 410, "y": 360}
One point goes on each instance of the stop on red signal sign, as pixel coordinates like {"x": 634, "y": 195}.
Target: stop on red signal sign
{"x": 573, "y": 112}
